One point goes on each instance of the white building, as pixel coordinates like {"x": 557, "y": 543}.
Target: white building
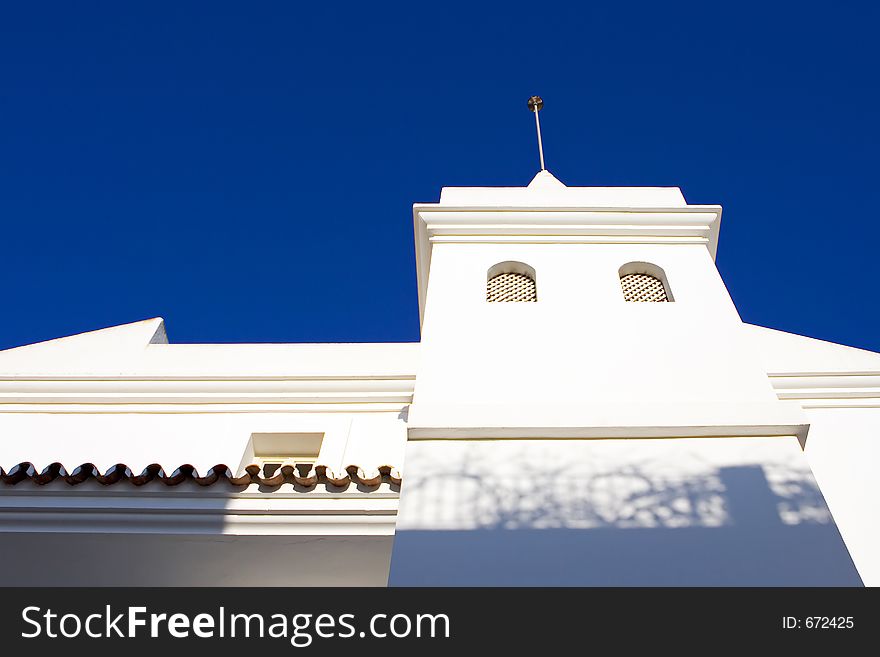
{"x": 577, "y": 436}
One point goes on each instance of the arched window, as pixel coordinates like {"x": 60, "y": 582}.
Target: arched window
{"x": 511, "y": 281}
{"x": 642, "y": 281}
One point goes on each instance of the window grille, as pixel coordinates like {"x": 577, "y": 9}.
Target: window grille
{"x": 511, "y": 286}
{"x": 642, "y": 287}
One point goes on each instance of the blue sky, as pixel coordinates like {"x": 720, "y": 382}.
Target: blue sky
{"x": 246, "y": 170}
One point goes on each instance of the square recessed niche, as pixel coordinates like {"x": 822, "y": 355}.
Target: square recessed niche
{"x": 272, "y": 451}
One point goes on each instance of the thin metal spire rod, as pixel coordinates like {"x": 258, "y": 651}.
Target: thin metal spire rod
{"x": 540, "y": 145}
{"x": 535, "y": 104}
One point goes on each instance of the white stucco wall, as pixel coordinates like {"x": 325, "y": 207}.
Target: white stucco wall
{"x": 839, "y": 388}
{"x": 160, "y": 560}
{"x": 843, "y": 449}
{"x": 123, "y": 395}
{"x": 699, "y": 511}
{"x": 199, "y": 439}
{"x": 680, "y": 463}
{"x": 492, "y": 498}
{"x": 581, "y": 341}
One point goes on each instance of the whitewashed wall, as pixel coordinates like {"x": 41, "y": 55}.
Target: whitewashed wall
{"x": 638, "y": 512}
{"x": 682, "y": 464}
{"x": 123, "y": 395}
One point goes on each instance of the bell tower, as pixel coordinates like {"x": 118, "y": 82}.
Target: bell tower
{"x": 586, "y": 410}
{"x": 581, "y": 358}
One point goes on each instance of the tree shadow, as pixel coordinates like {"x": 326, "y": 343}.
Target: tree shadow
{"x": 624, "y": 527}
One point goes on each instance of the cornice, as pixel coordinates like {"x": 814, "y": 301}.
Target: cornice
{"x": 17, "y": 393}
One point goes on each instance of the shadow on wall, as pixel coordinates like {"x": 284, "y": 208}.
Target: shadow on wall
{"x": 732, "y": 529}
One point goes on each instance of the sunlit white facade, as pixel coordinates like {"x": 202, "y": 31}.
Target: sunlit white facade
{"x": 576, "y": 435}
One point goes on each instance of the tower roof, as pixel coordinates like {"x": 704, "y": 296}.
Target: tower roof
{"x": 546, "y": 190}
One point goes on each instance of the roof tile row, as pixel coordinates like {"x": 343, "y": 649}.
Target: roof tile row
{"x": 154, "y": 472}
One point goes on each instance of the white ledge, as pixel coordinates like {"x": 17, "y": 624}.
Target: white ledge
{"x": 128, "y": 390}
{"x": 64, "y": 509}
{"x": 608, "y": 420}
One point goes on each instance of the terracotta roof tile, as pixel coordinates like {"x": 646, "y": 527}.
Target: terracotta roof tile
{"x": 154, "y": 472}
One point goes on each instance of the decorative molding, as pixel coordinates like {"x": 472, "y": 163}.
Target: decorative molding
{"x": 58, "y": 510}
{"x": 125, "y": 407}
{"x": 829, "y": 389}
{"x": 228, "y": 391}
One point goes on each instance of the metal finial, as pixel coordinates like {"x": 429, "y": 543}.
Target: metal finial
{"x": 535, "y": 104}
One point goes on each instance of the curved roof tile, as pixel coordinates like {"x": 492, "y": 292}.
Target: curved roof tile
{"x": 155, "y": 473}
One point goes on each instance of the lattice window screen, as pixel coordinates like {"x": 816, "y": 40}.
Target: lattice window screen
{"x": 642, "y": 287}
{"x": 511, "y": 287}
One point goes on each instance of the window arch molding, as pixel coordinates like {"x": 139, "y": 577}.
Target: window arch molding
{"x": 631, "y": 281}
{"x": 511, "y": 280}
